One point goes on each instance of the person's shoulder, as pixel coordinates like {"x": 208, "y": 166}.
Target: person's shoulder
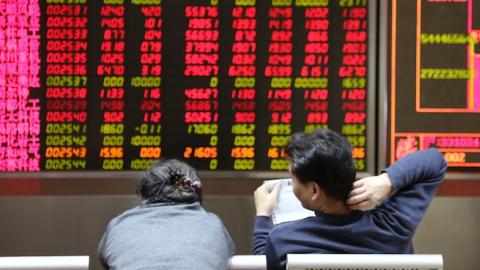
{"x": 291, "y": 226}
{"x": 199, "y": 212}
{"x": 125, "y": 215}
{"x": 213, "y": 217}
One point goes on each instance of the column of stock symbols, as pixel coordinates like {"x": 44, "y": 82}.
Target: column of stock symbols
{"x": 19, "y": 74}
{"x": 66, "y": 87}
{"x": 147, "y": 135}
{"x": 243, "y": 69}
{"x": 201, "y": 62}
{"x": 111, "y": 71}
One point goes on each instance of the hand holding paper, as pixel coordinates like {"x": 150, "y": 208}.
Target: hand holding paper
{"x": 266, "y": 199}
{"x": 288, "y": 207}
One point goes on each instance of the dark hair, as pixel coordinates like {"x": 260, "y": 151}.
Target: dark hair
{"x": 325, "y": 157}
{"x": 170, "y": 181}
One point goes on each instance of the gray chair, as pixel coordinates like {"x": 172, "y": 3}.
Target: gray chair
{"x": 364, "y": 262}
{"x": 247, "y": 262}
{"x": 44, "y": 263}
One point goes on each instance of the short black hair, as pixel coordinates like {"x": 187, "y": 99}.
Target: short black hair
{"x": 324, "y": 157}
{"x": 170, "y": 181}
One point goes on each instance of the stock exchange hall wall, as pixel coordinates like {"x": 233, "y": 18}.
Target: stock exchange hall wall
{"x": 94, "y": 91}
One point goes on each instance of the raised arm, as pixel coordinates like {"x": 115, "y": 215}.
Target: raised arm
{"x": 265, "y": 202}
{"x": 414, "y": 182}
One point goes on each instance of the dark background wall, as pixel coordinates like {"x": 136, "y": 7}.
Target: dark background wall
{"x": 73, "y": 225}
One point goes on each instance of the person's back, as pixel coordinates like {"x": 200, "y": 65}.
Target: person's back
{"x": 170, "y": 230}
{"x": 388, "y": 228}
{"x": 166, "y": 236}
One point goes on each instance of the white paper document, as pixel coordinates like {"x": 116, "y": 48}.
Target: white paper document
{"x": 288, "y": 206}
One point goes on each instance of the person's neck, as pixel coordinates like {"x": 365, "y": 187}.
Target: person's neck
{"x": 334, "y": 207}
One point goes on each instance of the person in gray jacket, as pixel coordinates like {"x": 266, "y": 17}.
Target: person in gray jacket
{"x": 170, "y": 229}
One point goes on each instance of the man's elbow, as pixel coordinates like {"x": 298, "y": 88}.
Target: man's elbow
{"x": 441, "y": 164}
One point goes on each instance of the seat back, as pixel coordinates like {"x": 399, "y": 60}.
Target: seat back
{"x": 247, "y": 262}
{"x": 44, "y": 263}
{"x": 364, "y": 261}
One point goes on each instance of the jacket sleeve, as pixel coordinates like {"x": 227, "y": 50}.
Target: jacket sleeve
{"x": 415, "y": 179}
{"x": 260, "y": 234}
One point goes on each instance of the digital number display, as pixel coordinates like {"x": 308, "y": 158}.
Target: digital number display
{"x": 117, "y": 84}
{"x": 435, "y": 85}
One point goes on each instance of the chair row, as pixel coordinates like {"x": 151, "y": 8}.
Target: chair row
{"x": 251, "y": 262}
{"x": 344, "y": 261}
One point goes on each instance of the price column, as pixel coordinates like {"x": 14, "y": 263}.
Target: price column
{"x": 66, "y": 87}
{"x": 147, "y": 137}
{"x": 19, "y": 71}
{"x": 201, "y": 62}
{"x": 243, "y": 70}
{"x": 353, "y": 73}
{"x": 279, "y": 69}
{"x": 111, "y": 70}
{"x": 314, "y": 71}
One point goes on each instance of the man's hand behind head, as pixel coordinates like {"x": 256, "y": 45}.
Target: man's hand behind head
{"x": 368, "y": 192}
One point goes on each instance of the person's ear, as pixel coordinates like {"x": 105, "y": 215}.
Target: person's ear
{"x": 317, "y": 192}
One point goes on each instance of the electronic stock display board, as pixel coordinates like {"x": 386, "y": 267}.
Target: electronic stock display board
{"x": 116, "y": 84}
{"x": 435, "y": 80}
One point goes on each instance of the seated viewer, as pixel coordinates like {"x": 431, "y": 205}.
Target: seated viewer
{"x": 323, "y": 174}
{"x": 170, "y": 229}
